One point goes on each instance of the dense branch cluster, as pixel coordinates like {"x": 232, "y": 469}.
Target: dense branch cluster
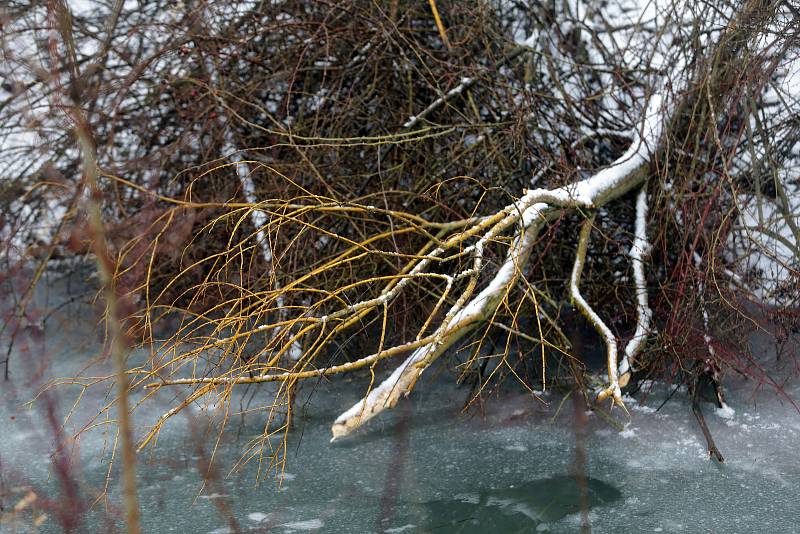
{"x": 303, "y": 189}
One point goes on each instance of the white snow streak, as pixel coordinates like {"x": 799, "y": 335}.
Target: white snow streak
{"x": 639, "y": 250}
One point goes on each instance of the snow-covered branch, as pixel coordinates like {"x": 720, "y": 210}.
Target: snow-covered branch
{"x": 605, "y": 332}
{"x": 639, "y": 251}
{"x": 626, "y": 173}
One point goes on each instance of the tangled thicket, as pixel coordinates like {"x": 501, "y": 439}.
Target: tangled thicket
{"x": 301, "y": 189}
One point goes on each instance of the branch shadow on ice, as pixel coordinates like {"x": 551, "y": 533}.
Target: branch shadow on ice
{"x": 516, "y": 508}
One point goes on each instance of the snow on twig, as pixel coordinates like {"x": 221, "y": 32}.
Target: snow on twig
{"x": 465, "y": 83}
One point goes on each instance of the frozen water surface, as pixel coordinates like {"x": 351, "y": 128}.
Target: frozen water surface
{"x": 424, "y": 467}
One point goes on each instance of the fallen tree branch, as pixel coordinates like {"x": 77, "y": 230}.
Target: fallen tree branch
{"x": 626, "y": 173}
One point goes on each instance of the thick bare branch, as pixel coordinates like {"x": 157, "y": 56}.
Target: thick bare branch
{"x": 639, "y": 251}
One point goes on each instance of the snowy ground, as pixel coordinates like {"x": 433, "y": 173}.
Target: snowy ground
{"x": 423, "y": 467}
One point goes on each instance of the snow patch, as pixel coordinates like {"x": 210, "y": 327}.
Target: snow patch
{"x": 311, "y": 524}
{"x": 257, "y": 517}
{"x": 726, "y": 412}
{"x": 409, "y": 526}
